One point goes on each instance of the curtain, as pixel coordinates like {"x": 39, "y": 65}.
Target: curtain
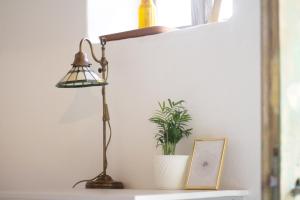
{"x": 201, "y": 10}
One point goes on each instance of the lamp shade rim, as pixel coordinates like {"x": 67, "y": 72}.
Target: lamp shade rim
{"x": 75, "y": 86}
{"x": 72, "y": 84}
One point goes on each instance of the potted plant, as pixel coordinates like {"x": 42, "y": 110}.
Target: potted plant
{"x": 172, "y": 122}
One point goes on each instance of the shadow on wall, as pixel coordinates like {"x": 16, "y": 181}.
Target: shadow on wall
{"x": 82, "y": 106}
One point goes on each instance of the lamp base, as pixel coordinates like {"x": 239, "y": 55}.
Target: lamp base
{"x": 104, "y": 182}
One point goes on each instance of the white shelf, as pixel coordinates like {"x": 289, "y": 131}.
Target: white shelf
{"x": 126, "y": 194}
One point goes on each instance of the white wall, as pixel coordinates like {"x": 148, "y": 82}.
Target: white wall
{"x": 216, "y": 69}
{"x": 50, "y": 137}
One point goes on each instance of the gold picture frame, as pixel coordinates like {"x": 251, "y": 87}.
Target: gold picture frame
{"x": 211, "y": 163}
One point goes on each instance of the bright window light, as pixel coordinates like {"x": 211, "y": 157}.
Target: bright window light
{"x": 104, "y": 17}
{"x": 226, "y": 10}
{"x": 110, "y": 16}
{"x": 173, "y": 13}
{"x": 178, "y": 13}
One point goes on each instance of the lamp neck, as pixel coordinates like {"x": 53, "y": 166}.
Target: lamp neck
{"x": 103, "y": 51}
{"x": 91, "y": 48}
{"x": 103, "y": 61}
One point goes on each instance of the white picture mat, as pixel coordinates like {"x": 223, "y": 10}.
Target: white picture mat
{"x": 205, "y": 165}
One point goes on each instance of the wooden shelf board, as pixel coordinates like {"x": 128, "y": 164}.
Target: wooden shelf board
{"x": 136, "y": 33}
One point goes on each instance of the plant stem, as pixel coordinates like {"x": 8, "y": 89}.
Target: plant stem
{"x": 169, "y": 148}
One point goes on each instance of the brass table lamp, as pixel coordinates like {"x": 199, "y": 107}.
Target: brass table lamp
{"x": 81, "y": 75}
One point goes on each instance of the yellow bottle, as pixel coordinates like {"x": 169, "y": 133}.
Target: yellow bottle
{"x": 146, "y": 14}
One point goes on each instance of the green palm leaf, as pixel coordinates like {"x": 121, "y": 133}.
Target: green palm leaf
{"x": 171, "y": 120}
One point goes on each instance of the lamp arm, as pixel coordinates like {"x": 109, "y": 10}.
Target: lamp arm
{"x": 91, "y": 48}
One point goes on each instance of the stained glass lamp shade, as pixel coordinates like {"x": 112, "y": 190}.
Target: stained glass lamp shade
{"x": 81, "y": 74}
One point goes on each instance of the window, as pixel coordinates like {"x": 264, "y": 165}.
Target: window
{"x": 182, "y": 13}
{"x": 226, "y": 10}
{"x": 173, "y": 13}
{"x": 110, "y": 16}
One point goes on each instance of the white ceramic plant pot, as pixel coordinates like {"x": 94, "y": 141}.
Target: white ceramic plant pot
{"x": 170, "y": 171}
